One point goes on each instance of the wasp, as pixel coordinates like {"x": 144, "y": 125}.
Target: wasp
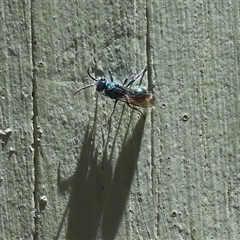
{"x": 133, "y": 97}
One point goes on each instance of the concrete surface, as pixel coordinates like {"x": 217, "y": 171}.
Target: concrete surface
{"x": 69, "y": 172}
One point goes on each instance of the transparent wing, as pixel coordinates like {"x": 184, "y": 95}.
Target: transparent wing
{"x": 137, "y": 97}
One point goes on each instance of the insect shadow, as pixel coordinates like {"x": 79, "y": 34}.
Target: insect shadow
{"x": 99, "y": 192}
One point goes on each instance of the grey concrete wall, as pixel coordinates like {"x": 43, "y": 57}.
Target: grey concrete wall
{"x": 68, "y": 171}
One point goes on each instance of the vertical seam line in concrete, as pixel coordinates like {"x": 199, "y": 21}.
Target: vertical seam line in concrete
{"x": 34, "y": 121}
{"x": 150, "y": 84}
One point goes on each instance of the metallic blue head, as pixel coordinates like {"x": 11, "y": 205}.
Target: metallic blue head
{"x": 101, "y": 84}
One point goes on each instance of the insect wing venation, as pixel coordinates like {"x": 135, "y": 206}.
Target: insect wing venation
{"x": 144, "y": 99}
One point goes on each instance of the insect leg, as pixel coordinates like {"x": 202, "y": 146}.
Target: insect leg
{"x": 114, "y": 107}
{"x": 110, "y": 74}
{"x": 137, "y": 76}
{"x": 125, "y": 81}
{"x": 135, "y": 109}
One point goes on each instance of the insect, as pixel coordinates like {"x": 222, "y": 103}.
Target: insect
{"x": 133, "y": 97}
